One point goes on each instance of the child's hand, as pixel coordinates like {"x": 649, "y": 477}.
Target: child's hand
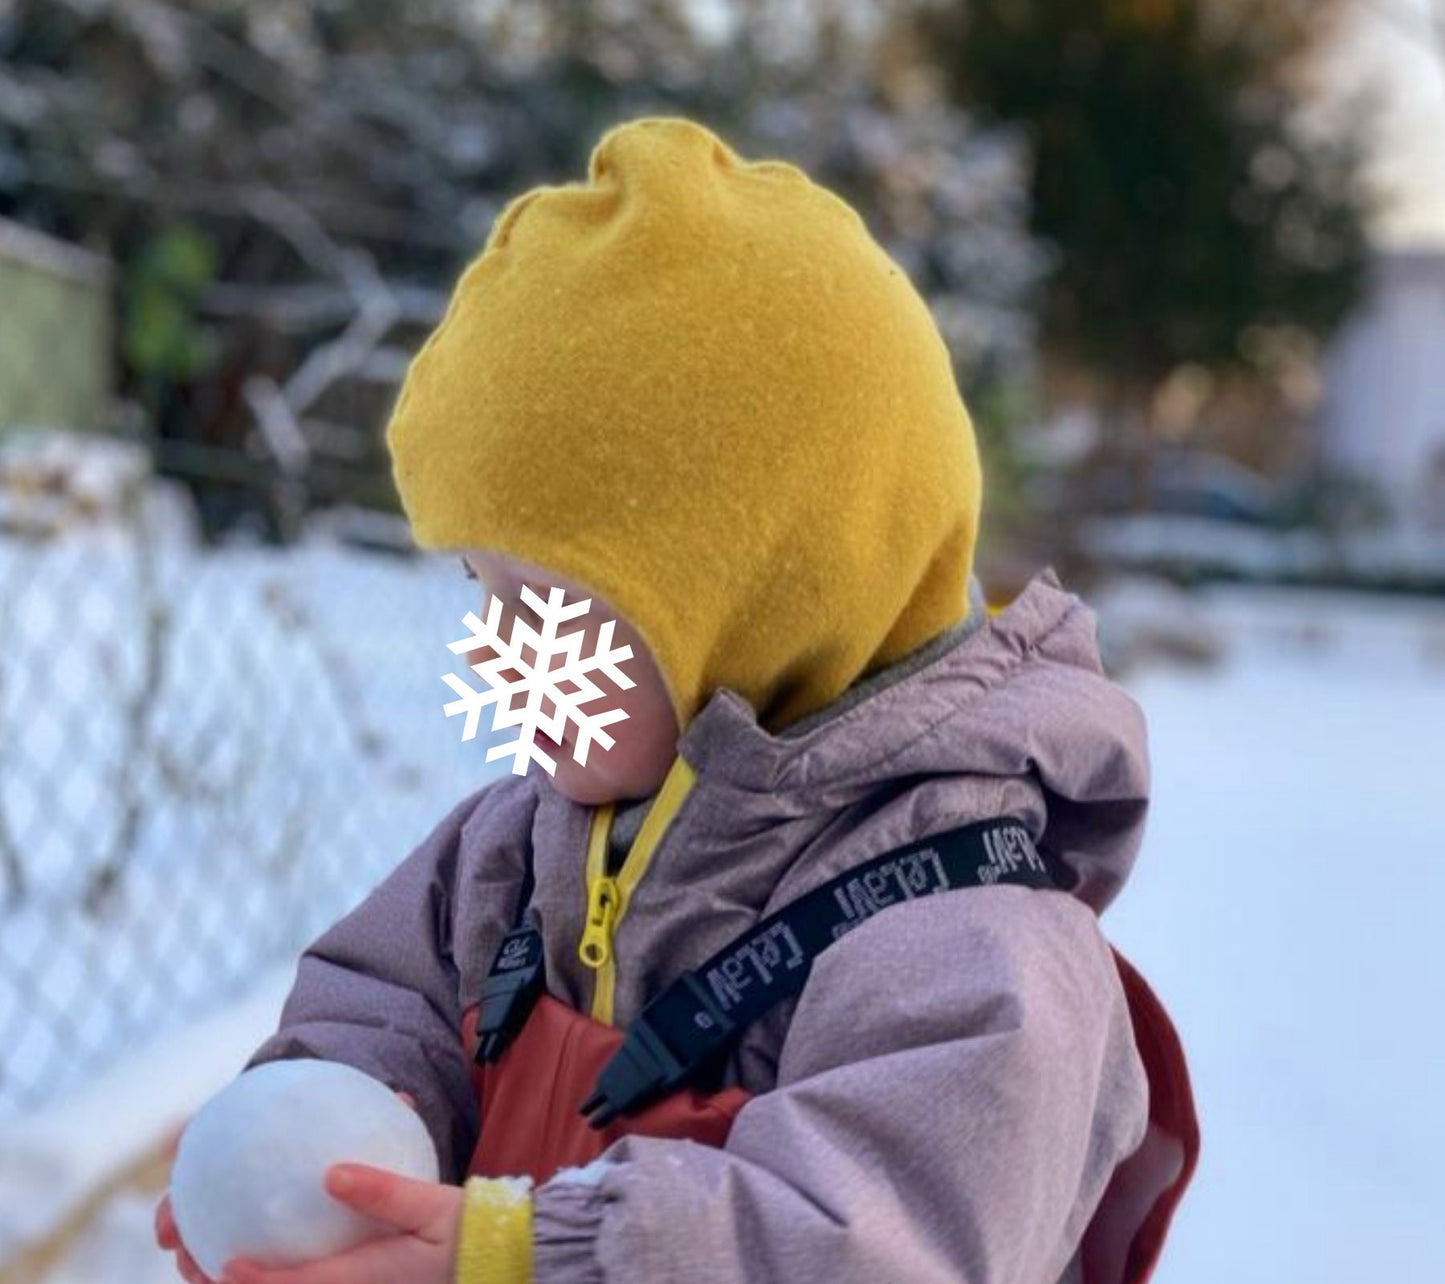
{"x": 169, "y": 1239}
{"x": 426, "y": 1218}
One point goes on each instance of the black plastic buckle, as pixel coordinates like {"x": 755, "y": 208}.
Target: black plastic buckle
{"x": 646, "y": 1066}
{"x": 513, "y": 985}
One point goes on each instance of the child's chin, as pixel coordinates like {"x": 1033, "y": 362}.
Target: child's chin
{"x": 579, "y": 786}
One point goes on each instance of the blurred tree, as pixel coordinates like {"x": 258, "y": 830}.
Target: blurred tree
{"x": 334, "y": 163}
{"x": 1197, "y": 224}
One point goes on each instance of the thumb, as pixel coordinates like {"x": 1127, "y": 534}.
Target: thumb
{"x": 400, "y": 1202}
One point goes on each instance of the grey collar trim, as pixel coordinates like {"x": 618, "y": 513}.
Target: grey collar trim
{"x": 628, "y": 816}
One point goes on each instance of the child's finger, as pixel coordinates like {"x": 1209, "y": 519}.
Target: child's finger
{"x": 190, "y": 1272}
{"x": 169, "y": 1239}
{"x": 166, "y": 1234}
{"x": 383, "y": 1261}
{"x": 408, "y": 1098}
{"x": 400, "y": 1202}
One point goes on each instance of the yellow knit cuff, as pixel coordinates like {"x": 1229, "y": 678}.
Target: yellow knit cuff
{"x": 494, "y": 1245}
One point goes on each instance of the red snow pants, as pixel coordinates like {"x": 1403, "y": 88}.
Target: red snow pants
{"x": 531, "y": 1123}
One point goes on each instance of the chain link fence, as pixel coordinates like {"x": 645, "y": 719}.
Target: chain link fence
{"x": 206, "y": 754}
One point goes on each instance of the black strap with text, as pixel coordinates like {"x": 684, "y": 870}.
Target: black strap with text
{"x": 706, "y": 1009}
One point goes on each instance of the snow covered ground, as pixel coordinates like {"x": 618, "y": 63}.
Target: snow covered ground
{"x": 1286, "y": 908}
{"x": 1290, "y": 909}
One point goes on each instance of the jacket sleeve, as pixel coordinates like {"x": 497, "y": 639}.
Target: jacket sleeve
{"x": 956, "y": 1086}
{"x": 379, "y": 991}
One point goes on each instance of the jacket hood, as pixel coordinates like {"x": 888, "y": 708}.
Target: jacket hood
{"x": 1019, "y": 699}
{"x": 792, "y": 484}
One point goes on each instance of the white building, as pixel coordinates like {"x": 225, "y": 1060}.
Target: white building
{"x": 1383, "y": 416}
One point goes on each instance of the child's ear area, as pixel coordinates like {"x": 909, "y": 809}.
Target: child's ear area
{"x": 491, "y": 581}
{"x": 476, "y": 565}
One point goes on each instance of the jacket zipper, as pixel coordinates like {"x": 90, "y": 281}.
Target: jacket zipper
{"x": 608, "y": 895}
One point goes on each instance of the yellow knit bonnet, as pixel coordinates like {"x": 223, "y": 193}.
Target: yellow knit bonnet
{"x": 697, "y": 386}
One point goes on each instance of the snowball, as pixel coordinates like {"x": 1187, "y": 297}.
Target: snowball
{"x": 249, "y": 1169}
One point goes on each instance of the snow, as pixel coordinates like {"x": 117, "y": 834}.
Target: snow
{"x": 249, "y": 1177}
{"x": 1285, "y": 907}
{"x": 50, "y": 1158}
{"x": 1390, "y": 557}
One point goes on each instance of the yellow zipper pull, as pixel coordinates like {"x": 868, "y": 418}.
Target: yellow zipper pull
{"x": 595, "y": 948}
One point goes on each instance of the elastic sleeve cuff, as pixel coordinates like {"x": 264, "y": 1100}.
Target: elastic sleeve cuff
{"x": 494, "y": 1243}
{"x": 567, "y": 1217}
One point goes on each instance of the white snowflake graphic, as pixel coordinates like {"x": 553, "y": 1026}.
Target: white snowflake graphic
{"x": 538, "y": 681}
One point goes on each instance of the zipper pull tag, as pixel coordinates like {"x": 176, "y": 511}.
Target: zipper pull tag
{"x": 595, "y": 948}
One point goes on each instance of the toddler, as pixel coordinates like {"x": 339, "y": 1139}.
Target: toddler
{"x": 814, "y": 984}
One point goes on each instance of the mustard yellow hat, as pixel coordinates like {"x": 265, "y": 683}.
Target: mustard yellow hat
{"x": 696, "y": 385}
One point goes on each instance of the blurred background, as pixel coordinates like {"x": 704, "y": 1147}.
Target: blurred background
{"x": 1189, "y": 257}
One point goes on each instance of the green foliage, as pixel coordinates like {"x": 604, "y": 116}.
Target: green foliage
{"x": 1001, "y": 407}
{"x": 162, "y": 336}
{"x": 1187, "y": 206}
